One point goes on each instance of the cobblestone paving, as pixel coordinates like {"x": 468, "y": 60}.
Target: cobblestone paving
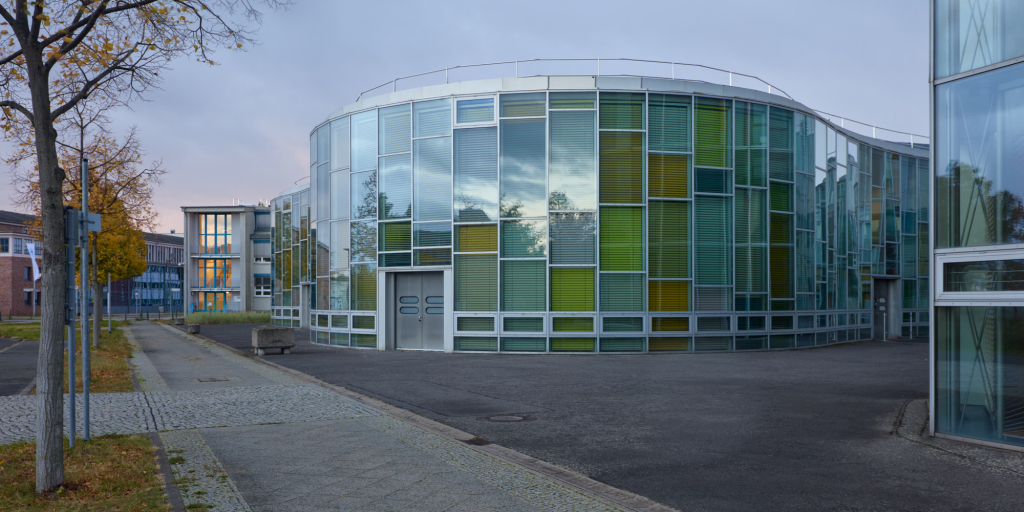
{"x": 200, "y": 477}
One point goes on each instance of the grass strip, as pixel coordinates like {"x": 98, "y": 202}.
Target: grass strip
{"x": 112, "y": 472}
{"x": 233, "y": 317}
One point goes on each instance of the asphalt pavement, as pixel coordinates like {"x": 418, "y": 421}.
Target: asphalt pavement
{"x": 17, "y": 365}
{"x": 807, "y": 429}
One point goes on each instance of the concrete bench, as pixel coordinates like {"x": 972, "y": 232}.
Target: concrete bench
{"x": 272, "y": 337}
{"x": 192, "y": 328}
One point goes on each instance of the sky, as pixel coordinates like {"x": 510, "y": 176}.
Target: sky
{"x": 240, "y": 130}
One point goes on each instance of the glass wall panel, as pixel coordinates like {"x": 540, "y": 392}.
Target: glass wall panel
{"x": 712, "y": 181}
{"x": 475, "y": 111}
{"x": 364, "y": 195}
{"x": 979, "y": 123}
{"x": 476, "y": 238}
{"x": 523, "y": 105}
{"x": 364, "y": 241}
{"x": 622, "y": 292}
{"x": 395, "y": 236}
{"x": 622, "y": 165}
{"x": 524, "y": 239}
{"x": 781, "y": 255}
{"x": 712, "y": 240}
{"x": 572, "y": 238}
{"x": 782, "y": 144}
{"x": 622, "y": 238}
{"x": 668, "y": 175}
{"x": 979, "y": 373}
{"x": 751, "y": 143}
{"x": 572, "y": 100}
{"x": 476, "y": 282}
{"x": 476, "y": 174}
{"x": 339, "y": 238}
{"x": 668, "y": 251}
{"x": 780, "y": 197}
{"x": 432, "y": 172}
{"x": 340, "y": 143}
{"x": 970, "y": 34}
{"x": 395, "y": 129}
{"x": 339, "y": 290}
{"x": 432, "y": 234}
{"x": 523, "y": 285}
{"x": 573, "y": 175}
{"x": 432, "y": 118}
{"x": 751, "y": 241}
{"x": 712, "y": 133}
{"x": 395, "y": 187}
{"x": 364, "y": 287}
{"x": 668, "y": 295}
{"x": 523, "y": 168}
{"x": 622, "y": 111}
{"x": 364, "y": 140}
{"x": 340, "y": 195}
{"x": 572, "y": 289}
{"x": 983, "y": 276}
{"x": 668, "y": 124}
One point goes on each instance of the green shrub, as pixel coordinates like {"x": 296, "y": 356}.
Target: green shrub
{"x": 233, "y": 317}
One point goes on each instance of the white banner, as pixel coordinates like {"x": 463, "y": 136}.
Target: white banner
{"x": 31, "y": 246}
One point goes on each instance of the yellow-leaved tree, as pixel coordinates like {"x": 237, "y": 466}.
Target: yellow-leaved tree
{"x": 55, "y": 55}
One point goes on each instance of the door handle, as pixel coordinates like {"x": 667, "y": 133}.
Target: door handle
{"x": 419, "y": 319}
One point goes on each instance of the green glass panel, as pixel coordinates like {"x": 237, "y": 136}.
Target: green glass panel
{"x": 479, "y": 343}
{"x": 395, "y": 236}
{"x": 712, "y": 181}
{"x": 572, "y": 289}
{"x": 669, "y": 122}
{"x": 523, "y": 239}
{"x": 523, "y": 286}
{"x": 623, "y": 324}
{"x": 524, "y": 344}
{"x": 522, "y": 105}
{"x": 712, "y": 240}
{"x": 396, "y": 259}
{"x": 476, "y": 282}
{"x": 428, "y": 257}
{"x": 572, "y": 100}
{"x": 622, "y": 344}
{"x": 364, "y": 340}
{"x": 782, "y": 145}
{"x": 780, "y": 197}
{"x": 362, "y": 322}
{"x": 622, "y": 292}
{"x": 622, "y": 165}
{"x": 523, "y": 324}
{"x": 622, "y": 111}
{"x": 751, "y": 144}
{"x": 712, "y": 137}
{"x": 572, "y": 344}
{"x": 668, "y": 252}
{"x": 622, "y": 238}
{"x": 340, "y": 321}
{"x": 572, "y": 324}
{"x": 473, "y": 323}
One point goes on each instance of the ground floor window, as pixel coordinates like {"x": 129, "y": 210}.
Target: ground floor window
{"x": 213, "y": 301}
{"x": 262, "y": 284}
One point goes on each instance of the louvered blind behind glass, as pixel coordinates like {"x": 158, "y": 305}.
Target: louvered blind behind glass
{"x": 622, "y": 111}
{"x": 523, "y": 286}
{"x": 712, "y": 240}
{"x": 364, "y": 195}
{"x": 364, "y": 241}
{"x": 395, "y": 236}
{"x": 572, "y": 289}
{"x": 339, "y": 290}
{"x": 668, "y": 252}
{"x": 711, "y": 133}
{"x": 340, "y": 143}
{"x": 668, "y": 175}
{"x": 622, "y": 161}
{"x": 523, "y": 239}
{"x": 669, "y": 295}
{"x": 622, "y": 292}
{"x": 364, "y": 140}
{"x": 523, "y": 105}
{"x": 364, "y": 287}
{"x": 431, "y": 118}
{"x": 432, "y": 173}
{"x": 396, "y": 187}
{"x": 572, "y": 238}
{"x": 395, "y": 129}
{"x": 622, "y": 238}
{"x": 523, "y": 168}
{"x": 751, "y": 143}
{"x": 573, "y": 176}
{"x": 339, "y": 244}
{"x": 432, "y": 234}
{"x": 669, "y": 122}
{"x": 476, "y": 174}
{"x": 751, "y": 246}
{"x": 339, "y": 195}
{"x": 477, "y": 238}
{"x": 781, "y": 144}
{"x": 476, "y": 282}
{"x": 475, "y": 111}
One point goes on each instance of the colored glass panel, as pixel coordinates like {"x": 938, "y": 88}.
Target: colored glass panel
{"x": 572, "y": 289}
{"x": 622, "y": 164}
{"x": 622, "y": 238}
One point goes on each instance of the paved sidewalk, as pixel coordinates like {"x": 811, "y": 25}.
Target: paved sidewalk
{"x": 264, "y": 440}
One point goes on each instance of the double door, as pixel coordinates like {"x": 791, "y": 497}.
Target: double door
{"x": 419, "y": 310}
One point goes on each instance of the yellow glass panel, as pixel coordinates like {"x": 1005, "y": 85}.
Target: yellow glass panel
{"x": 660, "y": 344}
{"x": 659, "y": 324}
{"x": 668, "y": 295}
{"x": 478, "y": 238}
{"x": 667, "y": 175}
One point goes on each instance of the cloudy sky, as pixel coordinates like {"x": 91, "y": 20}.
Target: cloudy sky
{"x": 240, "y": 130}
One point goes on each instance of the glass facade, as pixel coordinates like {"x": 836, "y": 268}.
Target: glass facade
{"x": 978, "y": 246}
{"x": 609, "y": 221}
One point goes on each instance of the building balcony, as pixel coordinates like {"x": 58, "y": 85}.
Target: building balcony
{"x": 215, "y": 284}
{"x": 222, "y": 251}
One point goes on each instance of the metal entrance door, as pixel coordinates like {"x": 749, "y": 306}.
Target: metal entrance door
{"x": 419, "y": 312}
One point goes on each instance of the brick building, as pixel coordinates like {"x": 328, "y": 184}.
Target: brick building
{"x": 18, "y": 293}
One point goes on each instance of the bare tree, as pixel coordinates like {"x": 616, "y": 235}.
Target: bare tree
{"x": 57, "y": 55}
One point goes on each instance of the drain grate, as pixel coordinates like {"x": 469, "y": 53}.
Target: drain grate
{"x": 507, "y": 418}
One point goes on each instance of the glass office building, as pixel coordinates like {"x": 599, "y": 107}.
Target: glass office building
{"x": 600, "y": 215}
{"x": 977, "y": 389}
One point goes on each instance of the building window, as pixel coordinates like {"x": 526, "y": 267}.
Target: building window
{"x": 215, "y": 234}
{"x": 17, "y": 246}
{"x": 262, "y": 286}
{"x": 28, "y": 273}
{"x": 28, "y": 298}
{"x": 4, "y": 246}
{"x": 214, "y": 273}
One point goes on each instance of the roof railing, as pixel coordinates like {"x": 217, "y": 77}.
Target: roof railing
{"x": 727, "y": 78}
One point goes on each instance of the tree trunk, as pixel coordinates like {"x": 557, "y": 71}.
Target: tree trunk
{"x": 97, "y": 298}
{"x": 50, "y": 365}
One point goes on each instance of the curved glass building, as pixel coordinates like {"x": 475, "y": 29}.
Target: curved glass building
{"x": 600, "y": 214}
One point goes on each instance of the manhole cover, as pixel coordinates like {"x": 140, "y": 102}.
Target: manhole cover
{"x": 507, "y": 418}
{"x": 212, "y": 379}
